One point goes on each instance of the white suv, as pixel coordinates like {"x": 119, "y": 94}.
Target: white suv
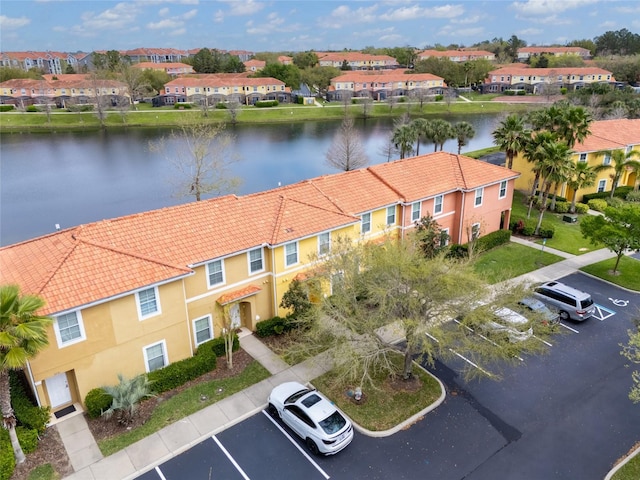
{"x": 571, "y": 303}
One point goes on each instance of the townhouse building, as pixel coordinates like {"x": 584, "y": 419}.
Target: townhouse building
{"x": 47, "y": 62}
{"x": 458, "y": 56}
{"x": 156, "y": 55}
{"x": 535, "y": 80}
{"x": 170, "y": 68}
{"x": 382, "y": 85}
{"x": 254, "y": 65}
{"x": 356, "y": 60}
{"x": 220, "y": 87}
{"x": 605, "y": 135}
{"x": 524, "y": 53}
{"x": 132, "y": 294}
{"x": 63, "y": 90}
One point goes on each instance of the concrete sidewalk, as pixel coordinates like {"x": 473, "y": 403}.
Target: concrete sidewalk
{"x": 89, "y": 464}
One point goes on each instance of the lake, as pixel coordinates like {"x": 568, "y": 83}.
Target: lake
{"x": 71, "y": 178}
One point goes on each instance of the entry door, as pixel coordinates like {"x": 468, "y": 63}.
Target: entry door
{"x": 58, "y": 389}
{"x": 234, "y": 312}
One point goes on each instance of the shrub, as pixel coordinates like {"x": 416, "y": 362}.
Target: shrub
{"x": 597, "y": 204}
{"x": 494, "y": 239}
{"x": 614, "y": 202}
{"x": 562, "y": 207}
{"x": 582, "y": 208}
{"x": 273, "y": 326}
{"x": 509, "y": 93}
{"x": 28, "y": 439}
{"x": 179, "y": 373}
{"x": 126, "y": 396}
{"x": 266, "y": 103}
{"x": 457, "y": 251}
{"x": 523, "y": 226}
{"x": 621, "y": 192}
{"x": 633, "y": 196}
{"x": 7, "y": 460}
{"x": 182, "y": 106}
{"x": 6, "y": 108}
{"x": 32, "y": 108}
{"x": 563, "y": 90}
{"x": 439, "y": 98}
{"x": 97, "y": 401}
{"x": 216, "y": 346}
{"x": 221, "y": 106}
{"x": 28, "y": 415}
{"x": 522, "y": 93}
{"x": 547, "y": 230}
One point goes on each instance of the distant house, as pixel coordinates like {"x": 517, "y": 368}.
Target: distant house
{"x": 155, "y": 55}
{"x": 382, "y": 85}
{"x": 243, "y": 55}
{"x": 458, "y": 56}
{"x": 356, "y": 60}
{"x": 623, "y": 134}
{"x": 285, "y": 60}
{"x": 134, "y": 294}
{"x": 254, "y": 65}
{"x": 48, "y": 62}
{"x": 533, "y": 80}
{"x": 174, "y": 69}
{"x": 525, "y": 53}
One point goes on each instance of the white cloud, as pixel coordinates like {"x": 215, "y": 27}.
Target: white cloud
{"x": 218, "y": 17}
{"x": 607, "y": 25}
{"x": 190, "y": 14}
{"x": 10, "y": 23}
{"x": 416, "y": 11}
{"x": 165, "y": 24}
{"x": 163, "y": 12}
{"x": 273, "y": 24}
{"x": 375, "y": 32}
{"x": 243, "y": 7}
{"x": 530, "y": 31}
{"x": 121, "y": 16}
{"x": 468, "y": 20}
{"x": 547, "y": 7}
{"x": 343, "y": 16}
{"x": 176, "y": 33}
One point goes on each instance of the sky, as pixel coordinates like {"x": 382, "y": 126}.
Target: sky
{"x": 299, "y": 25}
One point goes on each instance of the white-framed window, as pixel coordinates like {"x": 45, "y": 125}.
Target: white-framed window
{"x": 475, "y": 231}
{"x": 602, "y": 185}
{"x": 503, "y": 189}
{"x": 583, "y": 157}
{"x": 607, "y": 159}
{"x": 365, "y": 224}
{"x": 437, "y": 204}
{"x": 324, "y": 243}
{"x": 444, "y": 237}
{"x": 391, "y": 215}
{"x": 69, "y": 329}
{"x": 415, "y": 211}
{"x": 148, "y": 302}
{"x": 478, "y": 200}
{"x": 202, "y": 329}
{"x": 256, "y": 263}
{"x": 155, "y": 356}
{"x": 290, "y": 254}
{"x": 215, "y": 273}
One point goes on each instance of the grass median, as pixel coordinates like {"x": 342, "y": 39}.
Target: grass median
{"x": 627, "y": 275}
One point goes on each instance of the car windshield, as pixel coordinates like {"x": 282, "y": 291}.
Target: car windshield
{"x": 311, "y": 400}
{"x": 333, "y": 423}
{"x": 294, "y": 398}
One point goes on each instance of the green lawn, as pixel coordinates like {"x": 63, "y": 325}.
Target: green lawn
{"x": 567, "y": 236}
{"x": 43, "y": 472}
{"x": 511, "y": 260}
{"x": 185, "y": 403}
{"x": 628, "y": 272}
{"x": 384, "y": 407}
{"x": 630, "y": 470}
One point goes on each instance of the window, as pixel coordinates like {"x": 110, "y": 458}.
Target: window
{"x": 475, "y": 231}
{"x": 437, "y": 204}
{"x": 69, "y": 329}
{"x": 503, "y": 189}
{"x": 324, "y": 243}
{"x": 478, "y": 200}
{"x": 202, "y": 329}
{"x": 444, "y": 237}
{"x": 255, "y": 261}
{"x": 602, "y": 184}
{"x": 365, "y": 225}
{"x": 391, "y": 215}
{"x": 415, "y": 211}
{"x": 215, "y": 273}
{"x": 155, "y": 356}
{"x": 607, "y": 159}
{"x": 583, "y": 157}
{"x": 291, "y": 254}
{"x": 148, "y": 304}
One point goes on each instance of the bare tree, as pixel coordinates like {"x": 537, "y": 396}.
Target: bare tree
{"x": 233, "y": 109}
{"x": 392, "y": 101}
{"x": 347, "y": 152}
{"x": 346, "y": 100}
{"x": 202, "y": 156}
{"x": 421, "y": 95}
{"x": 367, "y": 104}
{"x": 135, "y": 81}
{"x": 101, "y": 100}
{"x": 388, "y": 149}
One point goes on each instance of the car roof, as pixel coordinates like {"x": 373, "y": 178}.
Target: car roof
{"x": 319, "y": 409}
{"x": 533, "y": 303}
{"x": 561, "y": 287}
{"x": 510, "y": 316}
{"x": 285, "y": 390}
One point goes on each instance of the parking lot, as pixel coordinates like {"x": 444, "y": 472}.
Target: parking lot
{"x": 561, "y": 415}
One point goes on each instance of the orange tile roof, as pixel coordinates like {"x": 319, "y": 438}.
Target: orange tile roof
{"x": 383, "y": 76}
{"x": 610, "y": 135}
{"x": 97, "y": 261}
{"x": 238, "y": 294}
{"x": 515, "y": 70}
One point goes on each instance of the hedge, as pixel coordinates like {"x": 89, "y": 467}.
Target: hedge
{"x": 7, "y": 459}
{"x": 620, "y": 192}
{"x": 217, "y": 346}
{"x": 183, "y": 371}
{"x": 273, "y": 326}
{"x": 221, "y": 106}
{"x": 97, "y": 401}
{"x": 582, "y": 208}
{"x": 527, "y": 227}
{"x": 633, "y": 196}
{"x": 493, "y": 239}
{"x": 182, "y": 106}
{"x": 6, "y": 108}
{"x": 267, "y": 103}
{"x": 28, "y": 415}
{"x": 597, "y": 204}
{"x": 28, "y": 439}
{"x": 562, "y": 207}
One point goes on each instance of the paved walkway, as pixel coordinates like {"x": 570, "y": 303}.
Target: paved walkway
{"x": 89, "y": 464}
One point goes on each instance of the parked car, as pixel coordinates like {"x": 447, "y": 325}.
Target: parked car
{"x": 571, "y": 303}
{"x": 316, "y": 420}
{"x": 510, "y": 323}
{"x": 546, "y": 314}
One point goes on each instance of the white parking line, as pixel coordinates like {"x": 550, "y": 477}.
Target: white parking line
{"x": 162, "y": 477}
{"x": 489, "y": 374}
{"x": 602, "y": 313}
{"x": 231, "y": 459}
{"x": 322, "y": 472}
{"x": 483, "y": 337}
{"x": 543, "y": 341}
{"x": 569, "y": 328}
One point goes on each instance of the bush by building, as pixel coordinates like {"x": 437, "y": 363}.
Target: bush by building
{"x": 96, "y": 402}
{"x": 597, "y": 204}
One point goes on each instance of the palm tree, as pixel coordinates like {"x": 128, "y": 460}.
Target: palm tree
{"x": 23, "y": 334}
{"x": 621, "y": 161}
{"x": 403, "y": 139}
{"x": 422, "y": 128}
{"x": 441, "y": 131}
{"x": 581, "y": 175}
{"x": 511, "y": 136}
{"x": 464, "y": 132}
{"x": 554, "y": 167}
{"x": 573, "y": 124}
{"x": 535, "y": 153}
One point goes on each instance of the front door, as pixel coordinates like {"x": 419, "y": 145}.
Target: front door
{"x": 58, "y": 389}
{"x": 234, "y": 312}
